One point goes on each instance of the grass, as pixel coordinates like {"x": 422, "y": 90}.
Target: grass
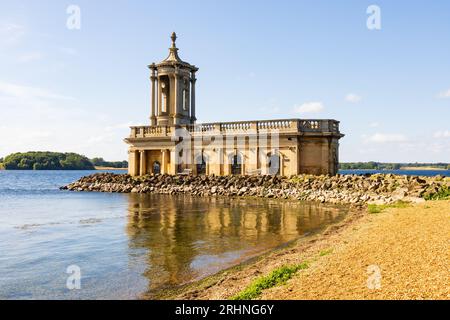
{"x": 276, "y": 277}
{"x": 325, "y": 252}
{"x": 442, "y": 194}
{"x": 377, "y": 208}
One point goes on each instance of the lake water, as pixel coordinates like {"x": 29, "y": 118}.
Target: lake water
{"x": 126, "y": 244}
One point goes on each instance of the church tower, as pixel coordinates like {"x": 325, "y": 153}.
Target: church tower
{"x": 173, "y": 90}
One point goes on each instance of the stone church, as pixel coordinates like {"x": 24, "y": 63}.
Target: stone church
{"x": 174, "y": 143}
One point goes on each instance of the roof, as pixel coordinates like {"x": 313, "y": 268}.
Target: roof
{"x": 173, "y": 58}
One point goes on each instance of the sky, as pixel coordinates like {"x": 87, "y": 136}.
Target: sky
{"x": 75, "y": 87}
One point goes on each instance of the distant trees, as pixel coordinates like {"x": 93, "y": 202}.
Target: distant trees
{"x": 100, "y": 162}
{"x": 47, "y": 161}
{"x": 387, "y": 166}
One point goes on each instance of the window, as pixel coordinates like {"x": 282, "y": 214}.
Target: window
{"x": 274, "y": 164}
{"x": 236, "y": 165}
{"x": 164, "y": 103}
{"x": 156, "y": 167}
{"x": 185, "y": 100}
{"x": 201, "y": 165}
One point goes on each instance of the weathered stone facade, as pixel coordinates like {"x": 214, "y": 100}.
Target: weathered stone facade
{"x": 174, "y": 143}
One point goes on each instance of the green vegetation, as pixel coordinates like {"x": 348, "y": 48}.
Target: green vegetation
{"x": 38, "y": 160}
{"x": 389, "y": 166}
{"x": 442, "y": 194}
{"x": 47, "y": 161}
{"x": 276, "y": 277}
{"x": 325, "y": 252}
{"x": 99, "y": 162}
{"x": 377, "y": 208}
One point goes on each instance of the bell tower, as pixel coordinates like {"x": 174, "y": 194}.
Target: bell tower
{"x": 173, "y": 90}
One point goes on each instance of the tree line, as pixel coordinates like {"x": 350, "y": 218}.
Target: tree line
{"x": 372, "y": 165}
{"x": 54, "y": 161}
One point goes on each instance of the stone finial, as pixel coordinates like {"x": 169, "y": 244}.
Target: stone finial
{"x": 174, "y": 38}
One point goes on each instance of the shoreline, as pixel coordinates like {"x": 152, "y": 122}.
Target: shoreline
{"x": 338, "y": 257}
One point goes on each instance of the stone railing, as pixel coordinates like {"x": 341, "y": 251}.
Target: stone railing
{"x": 282, "y": 126}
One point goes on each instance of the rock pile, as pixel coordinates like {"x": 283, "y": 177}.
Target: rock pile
{"x": 340, "y": 189}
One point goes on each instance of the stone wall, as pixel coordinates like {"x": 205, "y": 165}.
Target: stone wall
{"x": 340, "y": 189}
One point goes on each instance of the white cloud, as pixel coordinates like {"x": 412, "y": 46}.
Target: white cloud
{"x": 309, "y": 107}
{"x": 353, "y": 98}
{"x": 68, "y": 51}
{"x": 444, "y": 94}
{"x": 374, "y": 124}
{"x": 385, "y": 138}
{"x": 28, "y": 92}
{"x": 442, "y": 134}
{"x": 29, "y": 57}
{"x": 11, "y": 33}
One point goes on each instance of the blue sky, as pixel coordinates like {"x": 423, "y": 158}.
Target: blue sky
{"x": 79, "y": 90}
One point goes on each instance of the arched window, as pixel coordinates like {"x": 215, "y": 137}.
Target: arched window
{"x": 164, "y": 103}
{"x": 236, "y": 165}
{"x": 156, "y": 167}
{"x": 201, "y": 164}
{"x": 163, "y": 97}
{"x": 185, "y": 100}
{"x": 274, "y": 164}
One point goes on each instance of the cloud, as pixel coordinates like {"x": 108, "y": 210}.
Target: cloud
{"x": 28, "y": 92}
{"x": 374, "y": 124}
{"x": 442, "y": 134}
{"x": 385, "y": 138}
{"x": 11, "y": 33}
{"x": 444, "y": 94}
{"x": 29, "y": 57}
{"x": 68, "y": 51}
{"x": 309, "y": 107}
{"x": 353, "y": 98}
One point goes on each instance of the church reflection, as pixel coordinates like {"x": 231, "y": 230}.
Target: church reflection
{"x": 185, "y": 237}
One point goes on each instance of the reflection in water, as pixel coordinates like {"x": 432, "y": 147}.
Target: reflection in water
{"x": 186, "y": 237}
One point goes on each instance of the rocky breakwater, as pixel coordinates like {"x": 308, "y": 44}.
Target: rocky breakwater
{"x": 341, "y": 189}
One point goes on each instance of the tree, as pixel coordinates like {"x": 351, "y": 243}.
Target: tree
{"x": 47, "y": 161}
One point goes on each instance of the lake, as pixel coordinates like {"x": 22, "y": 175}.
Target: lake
{"x": 126, "y": 245}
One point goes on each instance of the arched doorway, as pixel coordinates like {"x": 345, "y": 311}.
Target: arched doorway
{"x": 201, "y": 164}
{"x": 156, "y": 167}
{"x": 236, "y": 165}
{"x": 274, "y": 164}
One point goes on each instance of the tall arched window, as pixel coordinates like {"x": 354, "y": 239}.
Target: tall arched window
{"x": 164, "y": 103}
{"x": 201, "y": 164}
{"x": 156, "y": 167}
{"x": 236, "y": 165}
{"x": 274, "y": 164}
{"x": 163, "y": 97}
{"x": 185, "y": 102}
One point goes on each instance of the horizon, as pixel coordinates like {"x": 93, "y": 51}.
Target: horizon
{"x": 78, "y": 90}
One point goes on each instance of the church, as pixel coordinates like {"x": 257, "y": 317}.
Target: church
{"x": 174, "y": 143}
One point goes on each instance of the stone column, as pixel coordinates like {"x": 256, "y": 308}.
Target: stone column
{"x": 176, "y": 97}
{"x": 153, "y": 116}
{"x": 143, "y": 163}
{"x": 193, "y": 81}
{"x": 164, "y": 161}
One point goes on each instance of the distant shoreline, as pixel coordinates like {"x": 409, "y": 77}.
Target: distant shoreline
{"x": 109, "y": 168}
{"x": 423, "y": 168}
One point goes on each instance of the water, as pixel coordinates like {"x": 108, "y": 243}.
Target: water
{"x": 428, "y": 173}
{"x": 126, "y": 244}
